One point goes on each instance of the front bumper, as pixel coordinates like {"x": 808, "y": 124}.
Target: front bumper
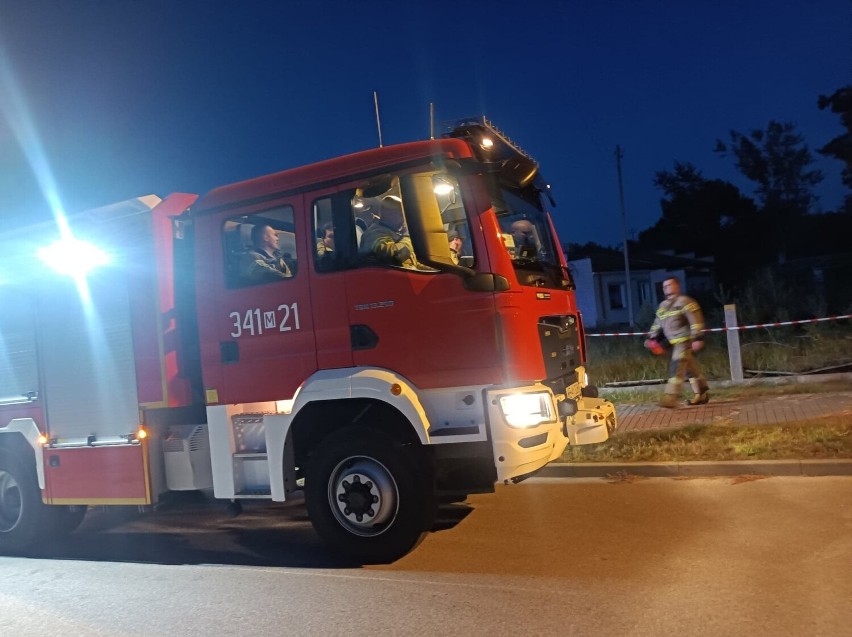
{"x": 521, "y": 451}
{"x": 594, "y": 421}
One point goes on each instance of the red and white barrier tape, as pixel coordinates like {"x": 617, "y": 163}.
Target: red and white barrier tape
{"x": 739, "y": 327}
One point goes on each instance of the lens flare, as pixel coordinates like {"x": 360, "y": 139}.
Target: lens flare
{"x": 73, "y": 257}
{"x": 14, "y": 109}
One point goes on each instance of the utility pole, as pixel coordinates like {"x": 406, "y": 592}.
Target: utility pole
{"x": 378, "y": 121}
{"x": 618, "y": 156}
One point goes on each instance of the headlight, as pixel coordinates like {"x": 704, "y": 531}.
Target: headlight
{"x": 527, "y": 410}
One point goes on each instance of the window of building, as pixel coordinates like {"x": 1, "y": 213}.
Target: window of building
{"x": 617, "y": 299}
{"x": 644, "y": 293}
{"x": 260, "y": 247}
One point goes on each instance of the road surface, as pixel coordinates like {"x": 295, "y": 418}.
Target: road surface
{"x": 723, "y": 556}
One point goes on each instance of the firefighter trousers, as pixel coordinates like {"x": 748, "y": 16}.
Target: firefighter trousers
{"x": 684, "y": 366}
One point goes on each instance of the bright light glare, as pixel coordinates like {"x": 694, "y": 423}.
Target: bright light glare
{"x": 14, "y": 108}
{"x": 526, "y": 410}
{"x": 443, "y": 188}
{"x": 487, "y": 143}
{"x": 73, "y": 257}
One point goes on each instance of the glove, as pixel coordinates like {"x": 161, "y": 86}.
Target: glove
{"x": 402, "y": 254}
{"x": 654, "y": 346}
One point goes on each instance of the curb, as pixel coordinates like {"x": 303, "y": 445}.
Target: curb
{"x": 704, "y": 469}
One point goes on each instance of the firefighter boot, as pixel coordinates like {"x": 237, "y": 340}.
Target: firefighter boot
{"x": 669, "y": 401}
{"x": 702, "y": 395}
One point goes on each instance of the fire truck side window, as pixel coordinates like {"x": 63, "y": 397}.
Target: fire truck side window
{"x": 334, "y": 232}
{"x": 379, "y": 211}
{"x": 382, "y": 232}
{"x": 326, "y": 255}
{"x": 260, "y": 247}
{"x": 367, "y": 225}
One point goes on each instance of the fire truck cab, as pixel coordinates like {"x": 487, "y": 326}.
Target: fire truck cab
{"x": 371, "y": 333}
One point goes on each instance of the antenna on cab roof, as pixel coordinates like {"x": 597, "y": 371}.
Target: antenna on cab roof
{"x": 431, "y": 120}
{"x": 378, "y": 121}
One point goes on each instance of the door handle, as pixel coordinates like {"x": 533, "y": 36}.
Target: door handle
{"x": 362, "y": 337}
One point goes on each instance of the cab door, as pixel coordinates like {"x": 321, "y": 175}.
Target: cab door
{"x": 256, "y": 332}
{"x": 424, "y": 326}
{"x": 414, "y": 320}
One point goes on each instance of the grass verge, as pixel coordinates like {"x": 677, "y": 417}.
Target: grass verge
{"x": 824, "y": 438}
{"x": 827, "y": 437}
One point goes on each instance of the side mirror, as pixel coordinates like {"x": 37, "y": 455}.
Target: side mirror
{"x": 430, "y": 241}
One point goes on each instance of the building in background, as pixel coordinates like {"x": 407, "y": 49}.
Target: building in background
{"x": 602, "y": 284}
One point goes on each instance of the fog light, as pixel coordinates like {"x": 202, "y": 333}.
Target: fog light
{"x": 527, "y": 409}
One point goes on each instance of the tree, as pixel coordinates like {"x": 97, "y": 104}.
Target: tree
{"x": 778, "y": 161}
{"x": 695, "y": 211}
{"x": 841, "y": 146}
{"x": 583, "y": 250}
{"x": 707, "y": 217}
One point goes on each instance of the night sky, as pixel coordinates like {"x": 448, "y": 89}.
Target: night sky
{"x": 108, "y": 100}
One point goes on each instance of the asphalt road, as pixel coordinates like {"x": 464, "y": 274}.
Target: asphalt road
{"x": 724, "y": 556}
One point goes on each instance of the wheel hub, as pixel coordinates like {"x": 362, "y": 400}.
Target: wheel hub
{"x": 363, "y": 496}
{"x": 359, "y": 497}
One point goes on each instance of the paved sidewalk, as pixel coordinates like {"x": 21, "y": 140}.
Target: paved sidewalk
{"x": 747, "y": 411}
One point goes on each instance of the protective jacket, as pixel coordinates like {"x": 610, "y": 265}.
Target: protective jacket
{"x": 258, "y": 266}
{"x": 679, "y": 319}
{"x": 387, "y": 246}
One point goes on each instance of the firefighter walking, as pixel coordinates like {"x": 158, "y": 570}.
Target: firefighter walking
{"x": 680, "y": 321}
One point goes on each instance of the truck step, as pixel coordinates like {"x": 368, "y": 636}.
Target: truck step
{"x": 254, "y": 493}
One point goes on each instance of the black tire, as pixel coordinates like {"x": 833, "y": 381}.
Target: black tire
{"x": 369, "y": 498}
{"x": 63, "y": 520}
{"x": 590, "y": 391}
{"x": 23, "y": 516}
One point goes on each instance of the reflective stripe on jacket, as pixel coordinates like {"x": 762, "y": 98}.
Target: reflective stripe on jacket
{"x": 680, "y": 319}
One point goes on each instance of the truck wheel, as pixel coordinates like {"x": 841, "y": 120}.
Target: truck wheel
{"x": 62, "y": 520}
{"x": 368, "y": 497}
{"x": 22, "y": 513}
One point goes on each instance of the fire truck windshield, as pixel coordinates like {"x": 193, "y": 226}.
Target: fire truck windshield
{"x": 526, "y": 232}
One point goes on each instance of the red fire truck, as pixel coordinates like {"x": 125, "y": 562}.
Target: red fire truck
{"x": 353, "y": 359}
